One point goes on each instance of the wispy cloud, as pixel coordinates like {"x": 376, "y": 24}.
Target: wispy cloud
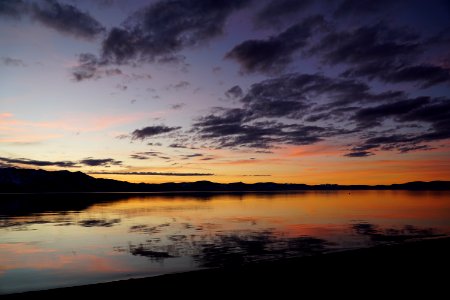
{"x": 153, "y": 173}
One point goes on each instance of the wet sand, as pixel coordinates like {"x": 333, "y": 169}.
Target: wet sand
{"x": 416, "y": 268}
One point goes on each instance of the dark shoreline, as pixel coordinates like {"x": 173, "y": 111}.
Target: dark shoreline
{"x": 411, "y": 268}
{"x": 14, "y": 180}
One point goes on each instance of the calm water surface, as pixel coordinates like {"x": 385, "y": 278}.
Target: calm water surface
{"x": 49, "y": 241}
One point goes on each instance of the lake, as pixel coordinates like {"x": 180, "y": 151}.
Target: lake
{"x": 57, "y": 240}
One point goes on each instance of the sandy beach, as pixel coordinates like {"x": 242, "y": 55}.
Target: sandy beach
{"x": 410, "y": 269}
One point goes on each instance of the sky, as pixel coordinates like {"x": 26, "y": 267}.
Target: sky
{"x": 345, "y": 91}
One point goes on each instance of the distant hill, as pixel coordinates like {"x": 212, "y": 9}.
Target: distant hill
{"x": 14, "y": 180}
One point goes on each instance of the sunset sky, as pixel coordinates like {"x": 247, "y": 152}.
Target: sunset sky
{"x": 347, "y": 92}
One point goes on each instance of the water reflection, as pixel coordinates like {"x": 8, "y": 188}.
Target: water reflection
{"x": 58, "y": 240}
{"x": 378, "y": 234}
{"x": 98, "y": 222}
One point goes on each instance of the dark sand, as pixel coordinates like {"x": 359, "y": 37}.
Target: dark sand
{"x": 417, "y": 268}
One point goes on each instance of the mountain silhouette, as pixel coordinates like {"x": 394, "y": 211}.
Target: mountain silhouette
{"x": 15, "y": 180}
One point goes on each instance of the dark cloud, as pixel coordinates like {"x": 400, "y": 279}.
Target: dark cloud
{"x": 361, "y": 7}
{"x": 406, "y": 149}
{"x": 177, "y": 145}
{"x": 66, "y": 19}
{"x": 153, "y": 173}
{"x": 275, "y": 53}
{"x": 432, "y": 113}
{"x": 100, "y": 162}
{"x": 377, "y": 43}
{"x": 64, "y": 164}
{"x": 38, "y": 163}
{"x": 13, "y": 8}
{"x": 234, "y": 92}
{"x": 292, "y": 95}
{"x": 373, "y": 115}
{"x": 381, "y": 52}
{"x": 146, "y": 132}
{"x": 277, "y": 11}
{"x": 178, "y": 86}
{"x": 189, "y": 156}
{"x": 178, "y": 106}
{"x": 436, "y": 114}
{"x": 122, "y": 136}
{"x": 90, "y": 67}
{"x": 87, "y": 68}
{"x": 303, "y": 109}
{"x": 359, "y": 154}
{"x": 222, "y": 131}
{"x": 159, "y": 31}
{"x": 426, "y": 75}
{"x": 148, "y": 155}
{"x": 13, "y": 62}
{"x": 257, "y": 123}
{"x": 428, "y": 116}
{"x": 401, "y": 142}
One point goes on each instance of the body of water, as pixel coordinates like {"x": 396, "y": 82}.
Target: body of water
{"x": 49, "y": 241}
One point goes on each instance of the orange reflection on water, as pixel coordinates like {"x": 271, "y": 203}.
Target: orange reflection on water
{"x": 324, "y": 207}
{"x": 29, "y": 256}
{"x": 136, "y": 235}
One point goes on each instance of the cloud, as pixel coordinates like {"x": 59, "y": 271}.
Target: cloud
{"x": 178, "y": 86}
{"x": 178, "y": 145}
{"x": 189, "y": 156}
{"x": 369, "y": 44}
{"x": 303, "y": 109}
{"x": 432, "y": 113}
{"x": 257, "y": 123}
{"x": 148, "y": 155}
{"x": 39, "y": 163}
{"x": 406, "y": 149}
{"x": 381, "y": 52}
{"x": 153, "y": 173}
{"x": 428, "y": 116}
{"x": 223, "y": 131}
{"x": 162, "y": 29}
{"x": 427, "y": 75}
{"x": 372, "y": 116}
{"x": 66, "y": 19}
{"x": 106, "y": 162}
{"x": 292, "y": 95}
{"x": 13, "y": 62}
{"x": 87, "y": 67}
{"x": 100, "y": 162}
{"x": 234, "y": 92}
{"x": 178, "y": 106}
{"x": 146, "y": 132}
{"x": 277, "y": 11}
{"x": 122, "y": 136}
{"x": 275, "y": 53}
{"x": 359, "y": 154}
{"x": 90, "y": 67}
{"x": 12, "y": 8}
